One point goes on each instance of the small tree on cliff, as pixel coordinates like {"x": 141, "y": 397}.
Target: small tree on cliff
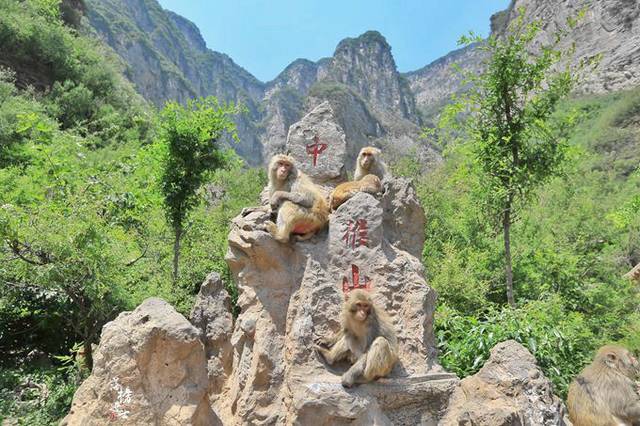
{"x": 189, "y": 136}
{"x": 516, "y": 143}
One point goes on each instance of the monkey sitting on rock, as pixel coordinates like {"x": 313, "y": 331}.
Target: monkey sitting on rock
{"x": 369, "y": 184}
{"x": 605, "y": 393}
{"x": 368, "y": 176}
{"x": 366, "y": 340}
{"x": 301, "y": 207}
{"x": 369, "y": 162}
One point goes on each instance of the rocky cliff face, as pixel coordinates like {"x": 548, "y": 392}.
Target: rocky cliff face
{"x": 610, "y": 28}
{"x": 375, "y": 104}
{"x": 168, "y": 60}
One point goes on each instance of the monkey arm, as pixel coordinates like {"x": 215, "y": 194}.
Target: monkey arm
{"x": 355, "y": 374}
{"x": 339, "y": 351}
{"x": 302, "y": 199}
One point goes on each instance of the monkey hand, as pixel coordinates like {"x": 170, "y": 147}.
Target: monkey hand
{"x": 277, "y": 198}
{"x": 348, "y": 379}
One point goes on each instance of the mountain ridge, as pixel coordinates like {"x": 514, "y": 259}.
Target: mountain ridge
{"x": 168, "y": 59}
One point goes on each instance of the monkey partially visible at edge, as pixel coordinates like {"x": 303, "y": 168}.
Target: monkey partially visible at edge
{"x": 605, "y": 393}
{"x": 366, "y": 339}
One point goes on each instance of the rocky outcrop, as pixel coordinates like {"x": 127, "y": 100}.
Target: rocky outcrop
{"x": 610, "y": 28}
{"x": 154, "y": 367}
{"x": 290, "y": 295}
{"x": 434, "y": 84}
{"x": 211, "y": 314}
{"x": 318, "y": 145}
{"x": 365, "y": 64}
{"x": 509, "y": 390}
{"x": 150, "y": 368}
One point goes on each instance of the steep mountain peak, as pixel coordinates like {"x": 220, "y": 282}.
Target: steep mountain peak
{"x": 189, "y": 30}
{"x": 369, "y": 38}
{"x": 365, "y": 63}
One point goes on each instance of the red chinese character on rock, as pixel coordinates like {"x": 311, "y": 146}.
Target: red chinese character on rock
{"x": 355, "y": 281}
{"x": 356, "y": 234}
{"x": 315, "y": 149}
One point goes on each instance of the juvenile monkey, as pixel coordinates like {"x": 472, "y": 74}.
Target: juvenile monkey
{"x": 301, "y": 207}
{"x": 366, "y": 339}
{"x": 370, "y": 184}
{"x": 605, "y": 393}
{"x": 370, "y": 162}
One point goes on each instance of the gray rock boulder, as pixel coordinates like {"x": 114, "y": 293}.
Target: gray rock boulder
{"x": 211, "y": 314}
{"x": 318, "y": 145}
{"x": 149, "y": 368}
{"x": 510, "y": 389}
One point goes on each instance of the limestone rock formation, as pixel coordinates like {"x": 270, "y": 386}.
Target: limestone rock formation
{"x": 318, "y": 145}
{"x": 510, "y": 389}
{"x": 290, "y": 295}
{"x": 434, "y": 84}
{"x": 610, "y": 28}
{"x": 211, "y": 314}
{"x": 149, "y": 368}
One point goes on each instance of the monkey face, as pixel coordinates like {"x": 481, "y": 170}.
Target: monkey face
{"x": 283, "y": 169}
{"x": 366, "y": 159}
{"x": 360, "y": 310}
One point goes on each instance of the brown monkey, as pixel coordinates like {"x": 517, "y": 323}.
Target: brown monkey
{"x": 301, "y": 206}
{"x": 605, "y": 393}
{"x": 370, "y": 184}
{"x": 369, "y": 162}
{"x": 366, "y": 339}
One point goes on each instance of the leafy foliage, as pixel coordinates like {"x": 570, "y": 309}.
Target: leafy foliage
{"x": 83, "y": 234}
{"x": 515, "y": 144}
{"x": 190, "y": 137}
{"x": 575, "y": 240}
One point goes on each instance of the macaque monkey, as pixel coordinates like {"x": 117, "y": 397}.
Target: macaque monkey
{"x": 301, "y": 206}
{"x": 370, "y": 184}
{"x": 605, "y": 393}
{"x": 366, "y": 340}
{"x": 369, "y": 162}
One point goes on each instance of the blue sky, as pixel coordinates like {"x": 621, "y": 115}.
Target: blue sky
{"x": 264, "y": 36}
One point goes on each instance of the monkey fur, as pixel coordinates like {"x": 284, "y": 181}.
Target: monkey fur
{"x": 366, "y": 339}
{"x": 370, "y": 184}
{"x": 369, "y": 162}
{"x": 605, "y": 392}
{"x": 301, "y": 206}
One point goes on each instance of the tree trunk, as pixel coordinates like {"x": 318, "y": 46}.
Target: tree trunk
{"x": 88, "y": 354}
{"x": 506, "y": 226}
{"x": 176, "y": 252}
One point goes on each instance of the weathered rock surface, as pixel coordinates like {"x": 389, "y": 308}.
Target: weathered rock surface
{"x": 610, "y": 28}
{"x": 154, "y": 367}
{"x": 510, "y": 389}
{"x": 291, "y": 294}
{"x": 318, "y": 145}
{"x": 149, "y": 368}
{"x": 211, "y": 314}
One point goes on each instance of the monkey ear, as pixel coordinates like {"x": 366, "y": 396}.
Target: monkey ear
{"x": 611, "y": 359}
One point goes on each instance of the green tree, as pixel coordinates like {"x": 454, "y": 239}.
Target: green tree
{"x": 516, "y": 143}
{"x": 190, "y": 136}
